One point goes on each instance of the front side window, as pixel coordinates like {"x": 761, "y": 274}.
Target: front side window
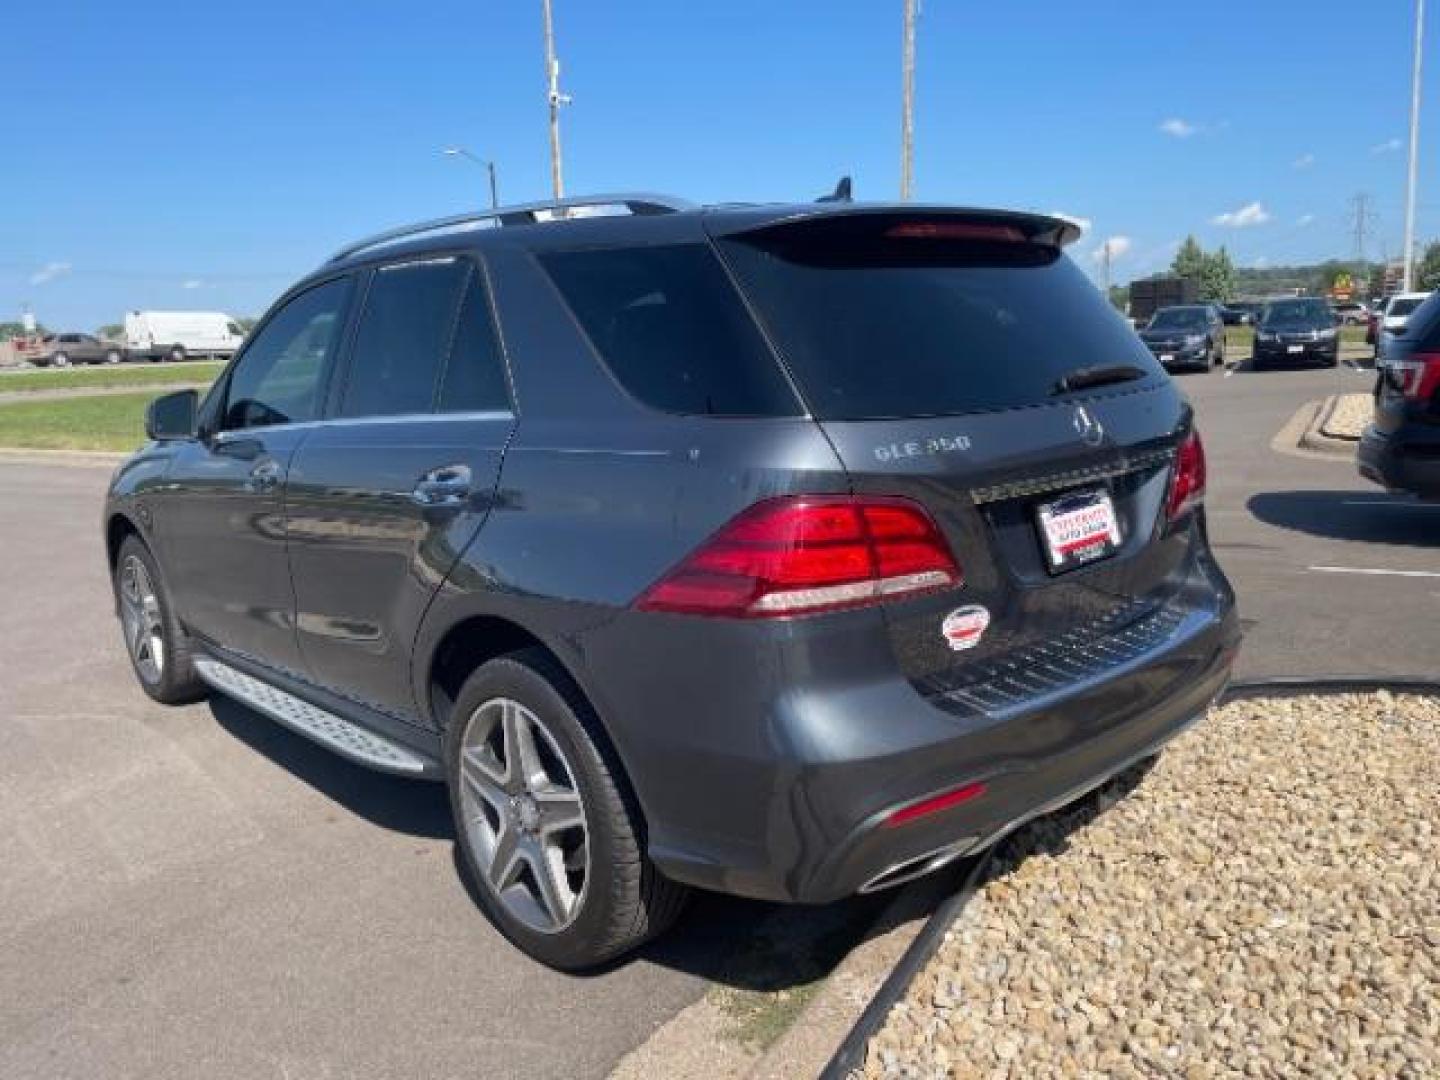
{"x": 404, "y": 336}
{"x": 277, "y": 379}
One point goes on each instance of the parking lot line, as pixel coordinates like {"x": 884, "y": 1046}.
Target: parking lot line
{"x": 1377, "y": 573}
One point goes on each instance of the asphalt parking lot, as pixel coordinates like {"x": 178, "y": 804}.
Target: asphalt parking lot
{"x": 198, "y": 892}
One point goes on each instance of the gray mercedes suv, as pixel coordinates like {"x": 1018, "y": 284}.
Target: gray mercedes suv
{"x": 789, "y": 551}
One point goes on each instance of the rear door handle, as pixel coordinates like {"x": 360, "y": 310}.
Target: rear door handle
{"x": 265, "y": 476}
{"x": 449, "y": 485}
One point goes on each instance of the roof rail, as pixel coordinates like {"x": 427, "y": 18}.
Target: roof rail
{"x": 520, "y": 214}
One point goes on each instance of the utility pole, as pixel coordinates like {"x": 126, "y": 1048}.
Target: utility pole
{"x": 1361, "y": 218}
{"x": 556, "y": 99}
{"x": 1414, "y": 149}
{"x": 488, "y": 166}
{"x": 907, "y": 104}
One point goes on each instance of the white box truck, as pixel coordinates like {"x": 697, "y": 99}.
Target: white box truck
{"x": 176, "y": 335}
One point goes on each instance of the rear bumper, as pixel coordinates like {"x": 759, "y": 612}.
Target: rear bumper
{"x": 1406, "y": 460}
{"x": 772, "y": 774}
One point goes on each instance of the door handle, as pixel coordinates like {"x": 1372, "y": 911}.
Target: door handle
{"x": 265, "y": 476}
{"x": 449, "y": 485}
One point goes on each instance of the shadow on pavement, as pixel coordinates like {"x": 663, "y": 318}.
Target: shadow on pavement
{"x": 1372, "y": 518}
{"x": 746, "y": 944}
{"x": 416, "y": 807}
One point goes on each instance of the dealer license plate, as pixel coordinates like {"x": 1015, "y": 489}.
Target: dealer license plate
{"x": 1078, "y": 529}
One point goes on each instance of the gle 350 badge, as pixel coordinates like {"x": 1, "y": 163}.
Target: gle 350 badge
{"x": 964, "y": 626}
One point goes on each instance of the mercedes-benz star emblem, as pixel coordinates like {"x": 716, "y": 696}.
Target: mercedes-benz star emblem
{"x": 1090, "y": 430}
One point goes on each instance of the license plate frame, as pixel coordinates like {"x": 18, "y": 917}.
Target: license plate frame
{"x": 1078, "y": 529}
{"x": 1294, "y": 350}
{"x": 1167, "y": 358}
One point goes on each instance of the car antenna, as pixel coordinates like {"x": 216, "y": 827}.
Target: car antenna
{"x": 840, "y": 194}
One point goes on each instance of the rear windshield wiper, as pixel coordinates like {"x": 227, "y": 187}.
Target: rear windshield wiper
{"x": 1099, "y": 375}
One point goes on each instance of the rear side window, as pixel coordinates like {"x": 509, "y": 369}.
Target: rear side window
{"x": 882, "y": 324}
{"x": 672, "y": 330}
{"x": 403, "y": 337}
{"x": 474, "y": 379}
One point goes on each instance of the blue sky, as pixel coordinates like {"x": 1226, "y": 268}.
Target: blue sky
{"x": 205, "y": 155}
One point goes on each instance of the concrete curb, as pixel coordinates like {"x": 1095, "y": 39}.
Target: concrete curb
{"x": 1296, "y": 439}
{"x": 856, "y": 985}
{"x": 1317, "y": 438}
{"x": 22, "y": 455}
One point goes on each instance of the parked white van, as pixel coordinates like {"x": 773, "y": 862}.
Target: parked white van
{"x": 175, "y": 335}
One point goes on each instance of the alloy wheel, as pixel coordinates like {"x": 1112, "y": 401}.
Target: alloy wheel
{"x": 140, "y": 617}
{"x": 523, "y": 815}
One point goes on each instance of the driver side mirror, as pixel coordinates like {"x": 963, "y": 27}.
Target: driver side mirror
{"x": 172, "y": 416}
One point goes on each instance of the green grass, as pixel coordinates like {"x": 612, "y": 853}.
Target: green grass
{"x": 110, "y": 375}
{"x": 112, "y": 422}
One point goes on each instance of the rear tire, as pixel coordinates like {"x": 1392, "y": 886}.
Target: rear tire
{"x": 566, "y": 817}
{"x": 176, "y": 354}
{"x": 113, "y": 356}
{"x": 159, "y": 650}
{"x": 60, "y": 359}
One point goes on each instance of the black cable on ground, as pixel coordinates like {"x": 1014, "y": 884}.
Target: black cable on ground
{"x": 850, "y": 1055}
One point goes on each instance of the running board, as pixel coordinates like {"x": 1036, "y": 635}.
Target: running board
{"x": 334, "y": 732}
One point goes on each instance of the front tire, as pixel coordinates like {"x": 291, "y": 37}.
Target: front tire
{"x": 176, "y": 354}
{"x": 113, "y": 356}
{"x": 158, "y": 648}
{"x": 61, "y": 360}
{"x": 546, "y": 826}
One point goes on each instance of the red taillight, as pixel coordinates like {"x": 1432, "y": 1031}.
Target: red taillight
{"x": 1417, "y": 377}
{"x": 806, "y": 553}
{"x": 933, "y": 806}
{"x": 1187, "y": 482}
{"x": 955, "y": 230}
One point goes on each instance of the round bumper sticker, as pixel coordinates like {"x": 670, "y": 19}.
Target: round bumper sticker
{"x": 964, "y": 626}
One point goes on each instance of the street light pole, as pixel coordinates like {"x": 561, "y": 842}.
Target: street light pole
{"x": 489, "y": 166}
{"x": 556, "y": 99}
{"x": 1414, "y": 150}
{"x": 907, "y": 103}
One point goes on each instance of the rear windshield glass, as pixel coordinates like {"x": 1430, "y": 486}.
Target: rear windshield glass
{"x": 1424, "y": 325}
{"x": 876, "y": 327}
{"x": 1184, "y": 318}
{"x": 1404, "y": 306}
{"x": 1298, "y": 313}
{"x": 671, "y": 328}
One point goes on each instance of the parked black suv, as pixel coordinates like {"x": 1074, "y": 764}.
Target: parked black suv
{"x": 790, "y": 551}
{"x": 1191, "y": 336}
{"x": 1303, "y": 330}
{"x": 1401, "y": 446}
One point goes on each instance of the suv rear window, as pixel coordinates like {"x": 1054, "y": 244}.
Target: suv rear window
{"x": 1423, "y": 329}
{"x": 672, "y": 330}
{"x": 877, "y": 324}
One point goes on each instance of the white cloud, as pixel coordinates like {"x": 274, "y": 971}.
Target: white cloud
{"x": 1304, "y": 219}
{"x": 1084, "y": 222}
{"x": 193, "y": 283}
{"x": 1304, "y": 161}
{"x": 1250, "y": 214}
{"x": 1181, "y": 129}
{"x": 1261, "y": 262}
{"x": 1389, "y": 146}
{"x": 1116, "y": 245}
{"x": 49, "y": 272}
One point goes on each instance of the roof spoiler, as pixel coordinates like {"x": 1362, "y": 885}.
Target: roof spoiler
{"x": 915, "y": 221}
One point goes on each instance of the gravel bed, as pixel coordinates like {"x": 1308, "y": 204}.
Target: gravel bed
{"x": 1348, "y": 419}
{"x": 1262, "y": 901}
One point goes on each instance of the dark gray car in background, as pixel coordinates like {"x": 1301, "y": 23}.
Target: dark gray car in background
{"x": 789, "y": 551}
